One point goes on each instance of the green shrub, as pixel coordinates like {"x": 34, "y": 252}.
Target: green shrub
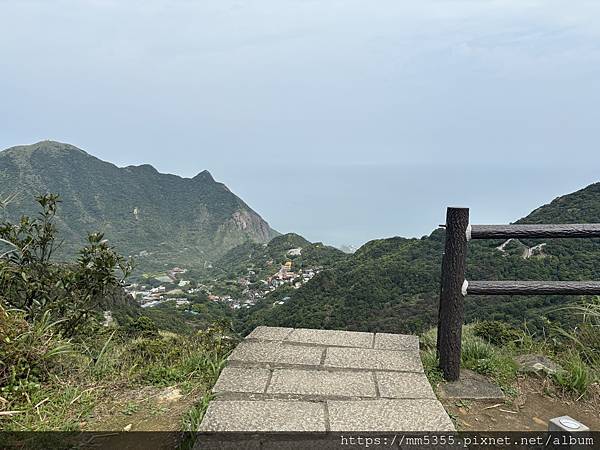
{"x": 501, "y": 368}
{"x": 32, "y": 282}
{"x": 588, "y": 340}
{"x": 150, "y": 350}
{"x": 143, "y": 326}
{"x": 161, "y": 375}
{"x": 170, "y": 359}
{"x": 586, "y": 337}
{"x": 53, "y": 372}
{"x": 581, "y": 363}
{"x": 496, "y": 332}
{"x": 191, "y": 422}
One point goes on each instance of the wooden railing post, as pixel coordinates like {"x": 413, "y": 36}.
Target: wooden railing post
{"x": 451, "y": 308}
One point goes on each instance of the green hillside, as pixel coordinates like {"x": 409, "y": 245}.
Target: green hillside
{"x": 393, "y": 284}
{"x": 160, "y": 218}
{"x": 264, "y": 259}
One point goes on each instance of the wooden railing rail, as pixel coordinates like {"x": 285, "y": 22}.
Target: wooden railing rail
{"x": 545, "y": 231}
{"x": 531, "y": 288}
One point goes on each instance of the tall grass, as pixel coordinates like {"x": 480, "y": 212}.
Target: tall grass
{"x": 581, "y": 365}
{"x": 487, "y": 359}
{"x": 586, "y": 337}
{"x": 60, "y": 382}
{"x": 575, "y": 375}
{"x": 489, "y": 348}
{"x": 477, "y": 355}
{"x": 191, "y": 422}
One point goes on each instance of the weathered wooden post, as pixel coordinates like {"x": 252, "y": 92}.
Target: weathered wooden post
{"x": 451, "y": 308}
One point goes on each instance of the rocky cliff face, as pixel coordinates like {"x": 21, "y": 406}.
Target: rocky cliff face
{"x": 248, "y": 221}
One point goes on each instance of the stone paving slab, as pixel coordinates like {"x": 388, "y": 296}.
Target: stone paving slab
{"x": 297, "y": 442}
{"x": 237, "y": 379}
{"x": 332, "y": 337}
{"x": 219, "y": 442}
{"x": 276, "y": 352}
{"x": 374, "y": 359}
{"x": 284, "y": 379}
{"x": 403, "y": 385}
{"x": 388, "y": 415}
{"x": 322, "y": 382}
{"x": 256, "y": 415}
{"x": 472, "y": 386}
{"x": 388, "y": 341}
{"x": 270, "y": 333}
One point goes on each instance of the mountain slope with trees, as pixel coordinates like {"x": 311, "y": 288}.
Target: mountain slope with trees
{"x": 161, "y": 218}
{"x": 393, "y": 284}
{"x": 264, "y": 259}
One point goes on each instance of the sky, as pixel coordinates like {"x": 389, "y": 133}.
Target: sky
{"x": 342, "y": 120}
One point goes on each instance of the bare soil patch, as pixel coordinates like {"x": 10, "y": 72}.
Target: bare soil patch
{"x": 537, "y": 401}
{"x": 145, "y": 409}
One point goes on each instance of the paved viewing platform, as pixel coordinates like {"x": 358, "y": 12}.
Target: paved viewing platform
{"x": 286, "y": 379}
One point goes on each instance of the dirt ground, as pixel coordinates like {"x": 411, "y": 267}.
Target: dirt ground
{"x": 145, "y": 409}
{"x": 536, "y": 403}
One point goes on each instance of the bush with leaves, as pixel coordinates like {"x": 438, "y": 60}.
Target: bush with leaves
{"x": 143, "y": 326}
{"x": 496, "y": 332}
{"x": 31, "y": 281}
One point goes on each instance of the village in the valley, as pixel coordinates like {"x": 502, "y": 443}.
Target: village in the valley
{"x": 175, "y": 285}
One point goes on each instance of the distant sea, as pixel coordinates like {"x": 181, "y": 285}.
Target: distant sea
{"x": 352, "y": 204}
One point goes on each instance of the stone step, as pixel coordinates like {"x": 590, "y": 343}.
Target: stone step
{"x": 270, "y": 415}
{"x": 331, "y": 415}
{"x": 285, "y": 379}
{"x": 388, "y": 415}
{"x": 373, "y": 359}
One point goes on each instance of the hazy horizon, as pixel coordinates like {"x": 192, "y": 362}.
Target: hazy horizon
{"x": 411, "y": 214}
{"x": 342, "y": 121}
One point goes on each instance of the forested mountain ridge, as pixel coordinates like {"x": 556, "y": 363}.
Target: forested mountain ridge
{"x": 393, "y": 284}
{"x": 160, "y": 218}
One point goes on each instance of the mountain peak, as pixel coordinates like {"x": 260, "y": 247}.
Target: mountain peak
{"x": 46, "y": 146}
{"x": 204, "y": 176}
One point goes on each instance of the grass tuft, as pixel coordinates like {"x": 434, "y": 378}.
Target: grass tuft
{"x": 575, "y": 377}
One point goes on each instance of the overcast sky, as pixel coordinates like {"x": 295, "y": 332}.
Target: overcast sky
{"x": 342, "y": 120}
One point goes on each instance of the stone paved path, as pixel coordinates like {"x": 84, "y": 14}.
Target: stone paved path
{"x": 285, "y": 379}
